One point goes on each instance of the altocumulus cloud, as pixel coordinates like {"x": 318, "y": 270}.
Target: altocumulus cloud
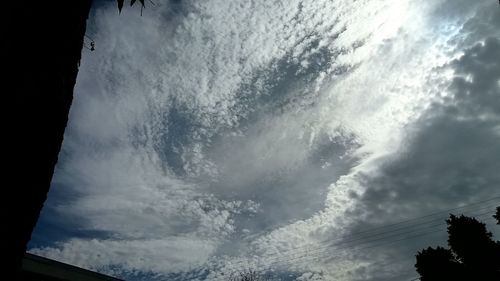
{"x": 211, "y": 136}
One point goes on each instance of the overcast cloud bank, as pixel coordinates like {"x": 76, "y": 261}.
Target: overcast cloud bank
{"x": 210, "y": 136}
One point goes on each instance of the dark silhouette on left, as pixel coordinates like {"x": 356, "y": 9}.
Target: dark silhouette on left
{"x": 38, "y": 81}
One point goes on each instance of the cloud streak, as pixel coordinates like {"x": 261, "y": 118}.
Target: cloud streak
{"x": 210, "y": 136}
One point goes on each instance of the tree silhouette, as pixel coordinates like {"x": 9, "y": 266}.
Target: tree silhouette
{"x": 437, "y": 264}
{"x": 473, "y": 254}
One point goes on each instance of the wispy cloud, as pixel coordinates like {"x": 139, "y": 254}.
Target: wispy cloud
{"x": 218, "y": 135}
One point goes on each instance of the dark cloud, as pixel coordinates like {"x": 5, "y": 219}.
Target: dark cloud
{"x": 247, "y": 128}
{"x": 451, "y": 155}
{"x": 476, "y": 87}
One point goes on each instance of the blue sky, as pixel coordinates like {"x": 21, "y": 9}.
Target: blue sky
{"x": 207, "y": 137}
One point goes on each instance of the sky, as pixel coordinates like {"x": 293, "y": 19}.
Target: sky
{"x": 211, "y": 137}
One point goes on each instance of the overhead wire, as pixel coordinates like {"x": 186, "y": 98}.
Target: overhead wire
{"x": 284, "y": 262}
{"x": 367, "y": 232}
{"x": 370, "y": 231}
{"x": 318, "y": 251}
{"x": 326, "y": 250}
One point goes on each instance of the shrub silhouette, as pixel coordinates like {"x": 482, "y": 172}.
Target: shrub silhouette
{"x": 472, "y": 254}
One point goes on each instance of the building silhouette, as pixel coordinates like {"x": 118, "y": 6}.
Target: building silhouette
{"x": 37, "y": 268}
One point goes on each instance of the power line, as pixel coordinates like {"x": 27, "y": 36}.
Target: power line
{"x": 283, "y": 262}
{"x": 324, "y": 249}
{"x": 412, "y": 226}
{"x": 318, "y": 254}
{"x": 431, "y": 214}
{"x": 368, "y": 231}
{"x": 294, "y": 250}
{"x": 406, "y": 230}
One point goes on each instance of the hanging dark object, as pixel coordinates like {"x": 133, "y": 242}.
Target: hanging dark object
{"x": 120, "y": 5}
{"x": 89, "y": 45}
{"x": 132, "y": 2}
{"x": 140, "y": 1}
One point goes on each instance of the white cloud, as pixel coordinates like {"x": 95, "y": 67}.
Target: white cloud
{"x": 145, "y": 255}
{"x": 229, "y": 134}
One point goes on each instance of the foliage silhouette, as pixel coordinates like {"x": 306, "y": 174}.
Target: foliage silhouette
{"x": 439, "y": 263}
{"x": 132, "y": 2}
{"x": 497, "y": 215}
{"x": 472, "y": 254}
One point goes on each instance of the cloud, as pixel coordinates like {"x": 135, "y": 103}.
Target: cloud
{"x": 115, "y": 255}
{"x": 210, "y": 136}
{"x": 448, "y": 149}
{"x": 441, "y": 159}
{"x": 447, "y": 159}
